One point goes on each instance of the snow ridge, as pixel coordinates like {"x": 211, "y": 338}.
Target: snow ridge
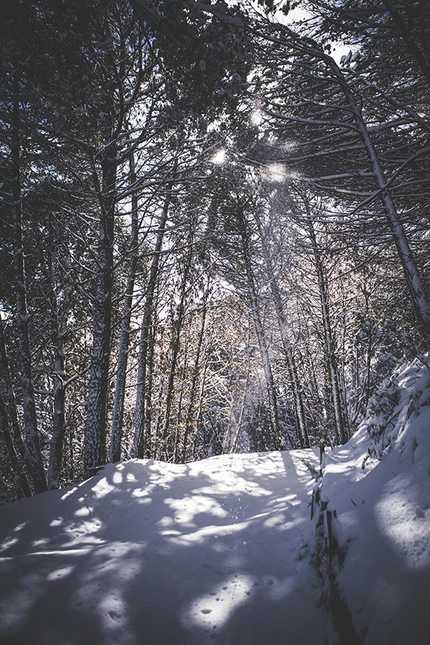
{"x": 373, "y": 529}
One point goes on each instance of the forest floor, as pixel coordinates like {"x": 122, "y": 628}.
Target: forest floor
{"x": 153, "y": 553}
{"x": 225, "y": 551}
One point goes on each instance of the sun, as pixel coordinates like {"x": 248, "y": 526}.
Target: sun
{"x": 219, "y": 157}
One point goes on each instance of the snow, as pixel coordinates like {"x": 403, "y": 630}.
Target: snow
{"x": 225, "y": 551}
{"x": 381, "y": 494}
{"x": 149, "y": 552}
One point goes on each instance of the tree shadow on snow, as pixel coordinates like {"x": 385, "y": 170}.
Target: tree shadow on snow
{"x": 149, "y": 554}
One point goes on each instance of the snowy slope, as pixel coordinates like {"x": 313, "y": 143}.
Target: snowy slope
{"x": 380, "y": 490}
{"x": 224, "y": 550}
{"x": 150, "y": 553}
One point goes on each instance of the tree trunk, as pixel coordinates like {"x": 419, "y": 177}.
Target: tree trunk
{"x": 144, "y": 343}
{"x": 15, "y": 445}
{"x": 196, "y": 369}
{"x": 413, "y": 279}
{"x": 175, "y": 346}
{"x": 233, "y": 442}
{"x": 255, "y": 309}
{"x": 35, "y": 462}
{"x": 308, "y": 46}
{"x": 339, "y": 418}
{"x": 59, "y": 329}
{"x": 200, "y": 411}
{"x": 95, "y": 423}
{"x": 286, "y": 345}
{"x": 121, "y": 372}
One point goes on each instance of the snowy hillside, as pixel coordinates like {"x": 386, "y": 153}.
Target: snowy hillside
{"x": 225, "y": 551}
{"x": 380, "y": 491}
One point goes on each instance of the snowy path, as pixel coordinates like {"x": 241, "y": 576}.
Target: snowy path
{"x": 148, "y": 553}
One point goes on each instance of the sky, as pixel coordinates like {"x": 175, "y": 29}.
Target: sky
{"x": 225, "y": 551}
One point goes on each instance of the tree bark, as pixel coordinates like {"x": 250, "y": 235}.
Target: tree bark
{"x": 144, "y": 343}
{"x": 35, "y": 461}
{"x": 96, "y": 414}
{"x": 121, "y": 372}
{"x": 255, "y": 309}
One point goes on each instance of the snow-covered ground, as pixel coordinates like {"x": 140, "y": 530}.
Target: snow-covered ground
{"x": 151, "y": 553}
{"x": 380, "y": 490}
{"x": 224, "y": 550}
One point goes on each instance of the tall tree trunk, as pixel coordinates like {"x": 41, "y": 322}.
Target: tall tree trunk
{"x": 331, "y": 361}
{"x": 15, "y": 445}
{"x": 179, "y": 426}
{"x": 59, "y": 330}
{"x": 232, "y": 443}
{"x": 96, "y": 414}
{"x": 194, "y": 379}
{"x": 286, "y": 345}
{"x": 144, "y": 343}
{"x": 35, "y": 462}
{"x": 174, "y": 349}
{"x": 200, "y": 411}
{"x": 262, "y": 343}
{"x": 118, "y": 406}
{"x": 149, "y": 444}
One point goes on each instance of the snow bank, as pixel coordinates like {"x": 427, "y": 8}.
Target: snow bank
{"x": 378, "y": 484}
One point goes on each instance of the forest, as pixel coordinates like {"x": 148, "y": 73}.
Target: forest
{"x": 214, "y": 226}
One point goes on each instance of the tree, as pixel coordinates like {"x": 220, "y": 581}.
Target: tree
{"x": 16, "y": 152}
{"x": 265, "y": 234}
{"x": 327, "y": 102}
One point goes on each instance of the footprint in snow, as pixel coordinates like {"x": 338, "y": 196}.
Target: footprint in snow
{"x": 419, "y": 511}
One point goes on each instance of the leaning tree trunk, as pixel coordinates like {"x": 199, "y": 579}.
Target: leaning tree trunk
{"x": 413, "y": 279}
{"x": 36, "y": 470}
{"x": 96, "y": 421}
